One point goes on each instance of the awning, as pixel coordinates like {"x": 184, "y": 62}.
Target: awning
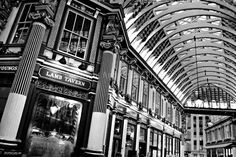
{"x": 218, "y": 145}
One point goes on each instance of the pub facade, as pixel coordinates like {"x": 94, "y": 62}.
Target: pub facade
{"x": 72, "y": 85}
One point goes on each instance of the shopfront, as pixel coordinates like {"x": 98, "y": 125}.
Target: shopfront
{"x": 117, "y": 140}
{"x": 143, "y": 141}
{"x": 7, "y": 73}
{"x": 57, "y": 122}
{"x": 155, "y": 143}
{"x": 131, "y": 139}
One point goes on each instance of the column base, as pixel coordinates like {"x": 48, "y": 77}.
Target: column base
{"x": 10, "y": 148}
{"x": 92, "y": 153}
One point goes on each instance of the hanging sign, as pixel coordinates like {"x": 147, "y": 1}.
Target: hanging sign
{"x": 65, "y": 78}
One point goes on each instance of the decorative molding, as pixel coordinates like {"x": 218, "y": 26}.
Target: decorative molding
{"x": 111, "y": 38}
{"x": 43, "y": 13}
{"x": 52, "y": 87}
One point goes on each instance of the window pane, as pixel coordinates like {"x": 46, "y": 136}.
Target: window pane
{"x": 155, "y": 139}
{"x": 82, "y": 47}
{"x": 142, "y": 134}
{"x": 86, "y": 27}
{"x": 25, "y": 13}
{"x": 145, "y": 94}
{"x": 54, "y": 126}
{"x": 74, "y": 44}
{"x": 70, "y": 21}
{"x": 23, "y": 25}
{"x": 65, "y": 41}
{"x": 123, "y": 77}
{"x": 135, "y": 85}
{"x": 78, "y": 24}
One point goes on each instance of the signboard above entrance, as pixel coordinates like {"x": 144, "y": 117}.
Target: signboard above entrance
{"x": 65, "y": 78}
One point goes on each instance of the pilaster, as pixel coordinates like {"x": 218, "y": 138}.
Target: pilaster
{"x": 124, "y": 132}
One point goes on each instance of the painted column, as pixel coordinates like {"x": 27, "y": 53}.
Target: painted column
{"x": 108, "y": 112}
{"x": 111, "y": 134}
{"x": 137, "y": 137}
{"x": 234, "y": 151}
{"x": 98, "y": 122}
{"x": 125, "y": 125}
{"x": 18, "y": 93}
{"x": 163, "y": 144}
{"x": 148, "y": 140}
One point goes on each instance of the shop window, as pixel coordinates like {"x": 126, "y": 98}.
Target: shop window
{"x": 23, "y": 24}
{"x": 75, "y": 36}
{"x": 142, "y": 142}
{"x": 123, "y": 77}
{"x": 5, "y": 86}
{"x": 3, "y": 98}
{"x": 118, "y": 127}
{"x": 143, "y": 135}
{"x": 145, "y": 94}
{"x": 54, "y": 126}
{"x": 135, "y": 86}
{"x": 195, "y": 145}
{"x": 130, "y": 140}
{"x": 117, "y": 140}
{"x": 201, "y": 144}
{"x": 155, "y": 143}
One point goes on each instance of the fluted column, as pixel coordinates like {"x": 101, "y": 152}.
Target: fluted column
{"x": 95, "y": 141}
{"x": 18, "y": 93}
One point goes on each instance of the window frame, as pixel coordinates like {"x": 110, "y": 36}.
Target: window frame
{"x": 62, "y": 29}
{"x": 134, "y": 86}
{"x": 145, "y": 94}
{"x": 124, "y": 88}
{"x": 17, "y": 22}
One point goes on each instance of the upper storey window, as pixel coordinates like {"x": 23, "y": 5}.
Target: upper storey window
{"x": 145, "y": 94}
{"x": 123, "y": 77}
{"x": 75, "y": 35}
{"x": 135, "y": 86}
{"x": 23, "y": 25}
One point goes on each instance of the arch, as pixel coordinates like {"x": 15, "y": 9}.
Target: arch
{"x": 204, "y": 82}
{"x": 210, "y": 69}
{"x": 187, "y": 6}
{"x": 205, "y": 43}
{"x": 187, "y": 26}
{"x": 192, "y": 81}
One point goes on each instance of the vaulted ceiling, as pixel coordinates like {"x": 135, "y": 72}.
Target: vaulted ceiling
{"x": 190, "y": 45}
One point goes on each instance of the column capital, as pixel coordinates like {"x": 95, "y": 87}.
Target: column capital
{"x": 111, "y": 38}
{"x": 43, "y": 13}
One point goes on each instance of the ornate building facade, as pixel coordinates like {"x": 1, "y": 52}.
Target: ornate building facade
{"x": 72, "y": 85}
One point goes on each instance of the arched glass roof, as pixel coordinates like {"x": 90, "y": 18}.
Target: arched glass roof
{"x": 190, "y": 45}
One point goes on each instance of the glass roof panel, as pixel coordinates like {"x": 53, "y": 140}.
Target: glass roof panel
{"x": 177, "y": 35}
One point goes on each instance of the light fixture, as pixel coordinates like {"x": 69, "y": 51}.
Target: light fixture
{"x": 62, "y": 60}
{"x": 198, "y": 101}
{"x": 54, "y": 109}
